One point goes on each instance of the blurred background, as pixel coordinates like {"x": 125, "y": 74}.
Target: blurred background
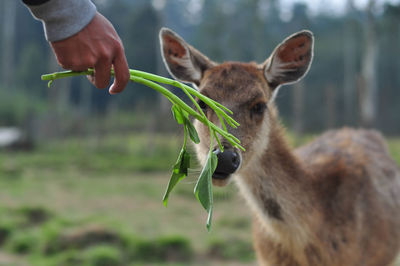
{"x": 82, "y": 173}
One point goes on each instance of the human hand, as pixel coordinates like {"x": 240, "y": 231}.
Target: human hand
{"x": 96, "y": 46}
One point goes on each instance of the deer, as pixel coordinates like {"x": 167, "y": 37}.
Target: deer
{"x": 334, "y": 201}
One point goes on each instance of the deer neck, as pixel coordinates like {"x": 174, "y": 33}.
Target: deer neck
{"x": 276, "y": 186}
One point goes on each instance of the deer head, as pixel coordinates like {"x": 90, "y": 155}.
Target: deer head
{"x": 248, "y": 89}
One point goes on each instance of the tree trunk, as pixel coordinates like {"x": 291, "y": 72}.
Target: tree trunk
{"x": 298, "y": 108}
{"x": 349, "y": 65}
{"x": 368, "y": 89}
{"x": 58, "y": 101}
{"x": 164, "y": 104}
{"x": 8, "y": 42}
{"x": 330, "y": 105}
{"x": 85, "y": 97}
{"x": 161, "y": 120}
{"x": 59, "y": 92}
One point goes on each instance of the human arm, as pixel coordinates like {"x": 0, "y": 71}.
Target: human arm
{"x": 81, "y": 38}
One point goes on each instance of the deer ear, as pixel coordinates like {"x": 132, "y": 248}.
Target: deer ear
{"x": 183, "y": 61}
{"x": 290, "y": 60}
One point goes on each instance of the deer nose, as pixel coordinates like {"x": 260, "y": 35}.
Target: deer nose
{"x": 228, "y": 163}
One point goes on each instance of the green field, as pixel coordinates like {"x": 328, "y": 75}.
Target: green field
{"x": 98, "y": 202}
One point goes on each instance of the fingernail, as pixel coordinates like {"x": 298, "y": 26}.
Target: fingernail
{"x": 112, "y": 91}
{"x": 90, "y": 78}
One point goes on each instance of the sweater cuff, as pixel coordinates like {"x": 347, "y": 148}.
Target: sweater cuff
{"x": 62, "y": 19}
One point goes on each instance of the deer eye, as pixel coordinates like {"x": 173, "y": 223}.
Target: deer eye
{"x": 202, "y": 104}
{"x": 258, "y": 109}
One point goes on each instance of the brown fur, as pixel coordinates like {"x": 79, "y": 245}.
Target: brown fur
{"x": 332, "y": 202}
{"x": 349, "y": 201}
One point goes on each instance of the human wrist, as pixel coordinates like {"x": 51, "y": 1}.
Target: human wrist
{"x": 62, "y": 19}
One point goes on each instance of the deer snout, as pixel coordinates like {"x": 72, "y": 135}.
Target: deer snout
{"x": 228, "y": 162}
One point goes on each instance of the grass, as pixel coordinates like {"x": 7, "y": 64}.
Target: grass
{"x": 101, "y": 155}
{"x": 56, "y": 199}
{"x": 394, "y": 148}
{"x": 99, "y": 202}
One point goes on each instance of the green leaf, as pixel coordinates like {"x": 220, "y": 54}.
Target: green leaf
{"x": 181, "y": 112}
{"x": 49, "y": 83}
{"x": 185, "y": 114}
{"x": 177, "y": 112}
{"x": 175, "y": 178}
{"x": 185, "y": 163}
{"x": 179, "y": 172}
{"x": 203, "y": 188}
{"x": 192, "y": 131}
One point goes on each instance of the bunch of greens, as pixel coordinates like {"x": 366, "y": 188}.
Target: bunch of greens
{"x": 182, "y": 112}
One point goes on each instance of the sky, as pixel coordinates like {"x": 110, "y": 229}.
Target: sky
{"x": 332, "y": 6}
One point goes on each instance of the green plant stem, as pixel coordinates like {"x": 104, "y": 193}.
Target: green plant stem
{"x": 232, "y": 139}
{"x": 66, "y": 74}
{"x": 147, "y": 80}
{"x": 185, "y": 130}
{"x": 181, "y": 112}
{"x": 213, "y": 104}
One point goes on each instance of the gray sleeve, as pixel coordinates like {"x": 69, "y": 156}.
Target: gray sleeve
{"x": 63, "y": 18}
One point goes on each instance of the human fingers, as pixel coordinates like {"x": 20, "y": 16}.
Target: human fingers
{"x": 121, "y": 70}
{"x": 102, "y": 74}
{"x": 68, "y": 57}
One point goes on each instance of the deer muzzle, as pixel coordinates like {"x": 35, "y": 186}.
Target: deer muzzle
{"x": 228, "y": 162}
